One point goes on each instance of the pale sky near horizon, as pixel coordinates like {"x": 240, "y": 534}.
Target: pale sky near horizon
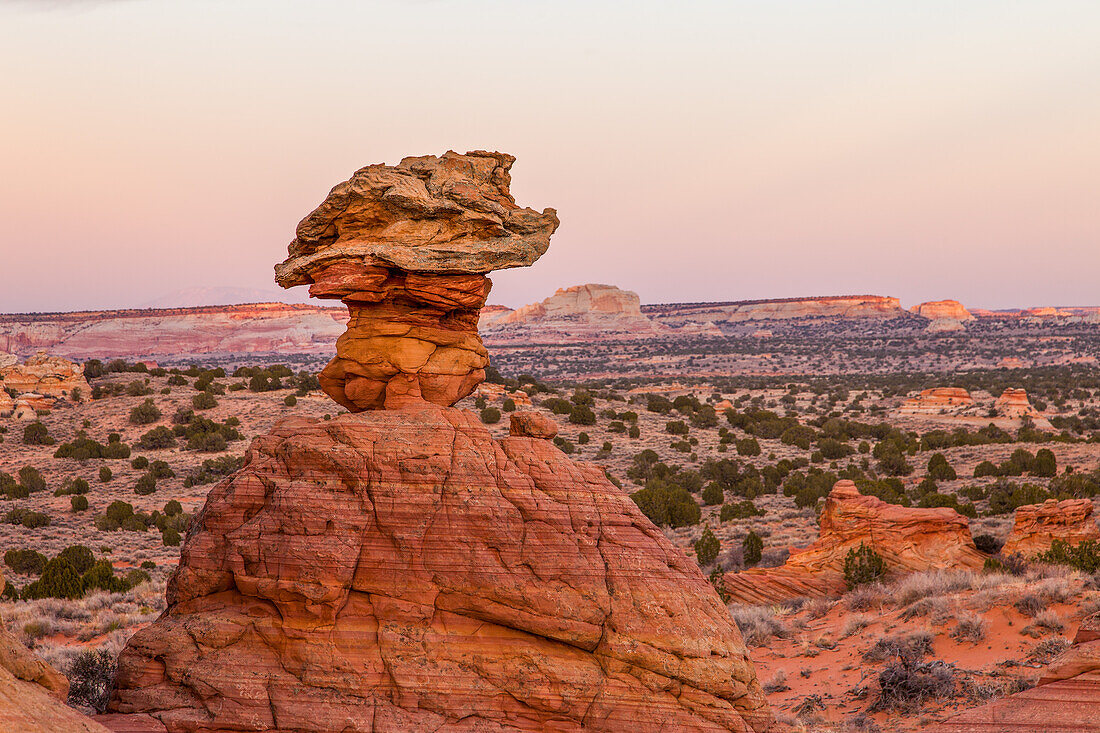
{"x": 695, "y": 150}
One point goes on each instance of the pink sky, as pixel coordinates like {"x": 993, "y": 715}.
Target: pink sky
{"x": 694, "y": 150}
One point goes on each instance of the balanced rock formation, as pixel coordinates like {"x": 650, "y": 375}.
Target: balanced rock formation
{"x": 937, "y": 401}
{"x": 1066, "y": 700}
{"x": 1038, "y": 525}
{"x": 407, "y": 248}
{"x": 399, "y": 569}
{"x": 943, "y": 310}
{"x": 45, "y": 375}
{"x": 908, "y": 540}
{"x": 580, "y": 301}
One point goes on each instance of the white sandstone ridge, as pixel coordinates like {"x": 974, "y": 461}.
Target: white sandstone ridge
{"x": 781, "y": 309}
{"x": 232, "y": 329}
{"x": 580, "y": 301}
{"x": 943, "y": 309}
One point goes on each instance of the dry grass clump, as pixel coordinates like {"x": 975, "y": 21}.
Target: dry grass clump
{"x": 855, "y": 624}
{"x": 969, "y": 627}
{"x": 778, "y": 683}
{"x": 1030, "y": 605}
{"x": 1044, "y": 622}
{"x": 759, "y": 624}
{"x": 1046, "y": 650}
{"x": 932, "y": 583}
{"x": 938, "y": 610}
{"x": 915, "y": 645}
{"x": 865, "y": 597}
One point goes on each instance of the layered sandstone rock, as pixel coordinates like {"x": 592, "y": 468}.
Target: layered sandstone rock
{"x": 1014, "y": 403}
{"x": 32, "y": 693}
{"x": 907, "y": 539}
{"x": 580, "y": 302}
{"x": 937, "y": 401}
{"x": 401, "y": 570}
{"x": 532, "y": 425}
{"x": 842, "y": 306}
{"x": 173, "y": 332}
{"x": 1038, "y": 525}
{"x": 1066, "y": 700}
{"x": 943, "y": 309}
{"x": 407, "y": 248}
{"x": 46, "y": 375}
{"x": 7, "y": 404}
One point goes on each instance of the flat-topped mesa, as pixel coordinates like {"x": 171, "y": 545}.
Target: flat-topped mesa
{"x": 407, "y": 248}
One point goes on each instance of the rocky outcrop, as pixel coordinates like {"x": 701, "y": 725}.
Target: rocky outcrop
{"x": 32, "y": 693}
{"x": 1066, "y": 700}
{"x": 945, "y": 325}
{"x": 46, "y": 375}
{"x": 233, "y": 329}
{"x": 580, "y": 302}
{"x": 937, "y": 401}
{"x": 843, "y": 306}
{"x": 407, "y": 248}
{"x": 7, "y": 404}
{"x": 401, "y": 570}
{"x": 1038, "y": 525}
{"x": 943, "y": 309}
{"x": 1014, "y": 403}
{"x": 908, "y": 540}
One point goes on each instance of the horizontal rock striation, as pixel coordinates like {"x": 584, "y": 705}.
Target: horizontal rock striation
{"x": 841, "y": 306}
{"x": 1036, "y": 526}
{"x": 943, "y": 310}
{"x": 401, "y": 570}
{"x": 908, "y": 540}
{"x": 49, "y": 376}
{"x": 407, "y": 248}
{"x": 937, "y": 401}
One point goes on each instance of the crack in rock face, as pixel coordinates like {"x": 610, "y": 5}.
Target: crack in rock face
{"x": 403, "y": 570}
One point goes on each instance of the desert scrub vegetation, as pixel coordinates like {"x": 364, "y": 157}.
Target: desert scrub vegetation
{"x": 759, "y": 624}
{"x": 71, "y": 574}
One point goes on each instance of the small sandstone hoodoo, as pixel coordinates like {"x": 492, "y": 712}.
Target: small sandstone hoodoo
{"x": 401, "y": 570}
{"x": 407, "y": 248}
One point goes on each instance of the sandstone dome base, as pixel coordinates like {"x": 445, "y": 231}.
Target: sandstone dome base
{"x": 401, "y": 570}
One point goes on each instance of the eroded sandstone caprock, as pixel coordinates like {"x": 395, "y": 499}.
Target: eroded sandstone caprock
{"x": 407, "y": 248}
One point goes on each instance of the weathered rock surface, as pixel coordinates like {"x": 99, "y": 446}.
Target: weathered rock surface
{"x": 945, "y": 325}
{"x": 907, "y": 539}
{"x": 7, "y": 404}
{"x": 407, "y": 248}
{"x": 1038, "y": 525}
{"x": 937, "y": 401}
{"x": 841, "y": 306}
{"x": 32, "y": 693}
{"x": 401, "y": 570}
{"x": 532, "y": 425}
{"x": 1014, "y": 403}
{"x": 943, "y": 309}
{"x": 1066, "y": 700}
{"x": 46, "y": 375}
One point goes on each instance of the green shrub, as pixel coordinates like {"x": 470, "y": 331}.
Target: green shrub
{"x": 27, "y": 518}
{"x": 31, "y": 479}
{"x": 713, "y": 494}
{"x": 290, "y": 400}
{"x": 145, "y": 485}
{"x": 91, "y": 675}
{"x": 37, "y": 434}
{"x": 1006, "y": 497}
{"x": 170, "y": 538}
{"x": 79, "y": 556}
{"x": 634, "y": 431}
{"x": 666, "y": 504}
{"x": 213, "y": 469}
{"x": 582, "y": 415}
{"x": 986, "y": 468}
{"x": 509, "y": 405}
{"x": 863, "y": 565}
{"x": 1084, "y": 556}
{"x": 748, "y": 447}
{"x": 105, "y": 474}
{"x": 752, "y": 549}
{"x": 1045, "y": 464}
{"x": 140, "y": 463}
{"x": 490, "y": 416}
{"x": 676, "y": 427}
{"x": 739, "y": 510}
{"x": 101, "y": 576}
{"x": 204, "y": 401}
{"x": 73, "y": 486}
{"x": 25, "y": 562}
{"x": 158, "y": 438}
{"x": 940, "y": 469}
{"x": 82, "y": 448}
{"x": 161, "y": 470}
{"x": 707, "y": 548}
{"x": 145, "y": 413}
{"x": 59, "y": 580}
{"x": 172, "y": 508}
{"x": 78, "y": 503}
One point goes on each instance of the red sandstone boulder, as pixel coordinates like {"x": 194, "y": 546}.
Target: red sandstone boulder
{"x": 532, "y": 425}
{"x": 1038, "y": 525}
{"x": 937, "y": 401}
{"x": 907, "y": 539}
{"x": 401, "y": 570}
{"x": 45, "y": 375}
